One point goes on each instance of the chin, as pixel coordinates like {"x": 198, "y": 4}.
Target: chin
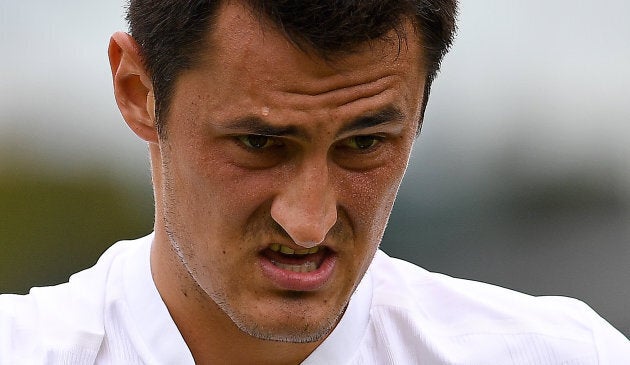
{"x": 289, "y": 332}
{"x": 295, "y": 323}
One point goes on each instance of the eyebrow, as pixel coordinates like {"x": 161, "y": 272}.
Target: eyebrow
{"x": 255, "y": 125}
{"x": 389, "y": 114}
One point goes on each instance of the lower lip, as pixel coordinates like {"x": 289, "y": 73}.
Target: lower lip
{"x": 299, "y": 281}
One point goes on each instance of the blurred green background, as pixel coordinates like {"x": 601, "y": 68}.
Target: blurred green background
{"x": 521, "y": 176}
{"x": 53, "y": 225}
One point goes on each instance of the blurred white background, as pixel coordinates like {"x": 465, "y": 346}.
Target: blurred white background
{"x": 521, "y": 176}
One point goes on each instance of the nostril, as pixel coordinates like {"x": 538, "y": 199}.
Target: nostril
{"x": 301, "y": 229}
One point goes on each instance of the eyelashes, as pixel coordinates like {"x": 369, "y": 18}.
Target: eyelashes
{"x": 259, "y": 151}
{"x": 261, "y": 142}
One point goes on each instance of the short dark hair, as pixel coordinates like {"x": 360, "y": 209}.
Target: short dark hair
{"x": 172, "y": 33}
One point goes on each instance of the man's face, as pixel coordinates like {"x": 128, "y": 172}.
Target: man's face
{"x": 279, "y": 171}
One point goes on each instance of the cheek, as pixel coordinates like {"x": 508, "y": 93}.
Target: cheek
{"x": 217, "y": 191}
{"x": 369, "y": 197}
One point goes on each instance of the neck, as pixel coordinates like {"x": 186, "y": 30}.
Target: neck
{"x": 210, "y": 334}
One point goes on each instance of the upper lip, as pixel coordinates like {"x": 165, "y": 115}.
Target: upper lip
{"x": 294, "y": 246}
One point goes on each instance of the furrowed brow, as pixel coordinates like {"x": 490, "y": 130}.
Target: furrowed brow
{"x": 256, "y": 125}
{"x": 387, "y": 115}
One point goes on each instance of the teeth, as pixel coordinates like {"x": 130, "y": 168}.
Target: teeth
{"x": 305, "y": 267}
{"x": 276, "y": 247}
{"x": 286, "y": 250}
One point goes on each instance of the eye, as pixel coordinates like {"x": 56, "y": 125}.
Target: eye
{"x": 363, "y": 152}
{"x": 362, "y": 142}
{"x": 256, "y": 141}
{"x": 257, "y": 151}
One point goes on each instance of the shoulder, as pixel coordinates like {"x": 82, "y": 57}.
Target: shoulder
{"x": 460, "y": 318}
{"x": 65, "y": 320}
{"x": 452, "y": 301}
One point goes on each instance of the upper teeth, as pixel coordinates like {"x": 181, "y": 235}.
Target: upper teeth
{"x": 289, "y": 251}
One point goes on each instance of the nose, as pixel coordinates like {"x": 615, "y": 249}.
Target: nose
{"x": 306, "y": 206}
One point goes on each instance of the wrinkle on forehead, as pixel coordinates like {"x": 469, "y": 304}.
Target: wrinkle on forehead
{"x": 252, "y": 68}
{"x": 368, "y": 69}
{"x": 262, "y": 50}
{"x": 338, "y": 97}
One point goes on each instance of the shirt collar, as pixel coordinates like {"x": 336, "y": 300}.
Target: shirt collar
{"x": 343, "y": 342}
{"x": 165, "y": 344}
{"x": 158, "y": 332}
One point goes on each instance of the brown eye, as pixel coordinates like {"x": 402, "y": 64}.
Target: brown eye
{"x": 363, "y": 152}
{"x": 362, "y": 142}
{"x": 255, "y": 141}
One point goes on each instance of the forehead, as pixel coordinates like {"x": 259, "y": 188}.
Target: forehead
{"x": 249, "y": 62}
{"x": 240, "y": 35}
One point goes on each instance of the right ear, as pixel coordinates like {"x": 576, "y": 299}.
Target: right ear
{"x": 133, "y": 88}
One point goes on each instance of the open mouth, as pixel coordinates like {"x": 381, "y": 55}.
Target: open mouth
{"x": 301, "y": 261}
{"x": 307, "y": 269}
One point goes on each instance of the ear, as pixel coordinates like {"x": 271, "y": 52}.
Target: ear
{"x": 133, "y": 88}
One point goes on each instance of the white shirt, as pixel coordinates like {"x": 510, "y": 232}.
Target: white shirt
{"x": 400, "y": 314}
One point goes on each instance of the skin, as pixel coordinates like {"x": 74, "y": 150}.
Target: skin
{"x": 328, "y": 176}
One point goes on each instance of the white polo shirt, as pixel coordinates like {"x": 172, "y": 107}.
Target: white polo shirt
{"x": 400, "y": 314}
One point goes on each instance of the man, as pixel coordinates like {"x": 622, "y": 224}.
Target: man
{"x": 279, "y": 133}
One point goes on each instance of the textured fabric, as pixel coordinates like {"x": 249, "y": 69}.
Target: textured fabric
{"x": 400, "y": 314}
{"x": 418, "y": 317}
